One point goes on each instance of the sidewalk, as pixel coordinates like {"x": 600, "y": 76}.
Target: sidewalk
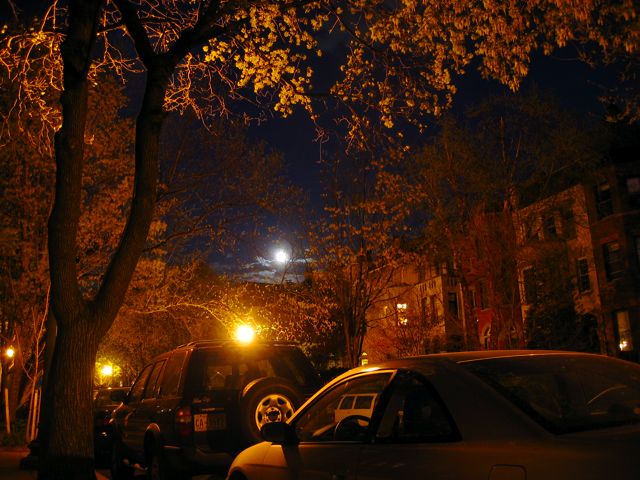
{"x": 10, "y": 465}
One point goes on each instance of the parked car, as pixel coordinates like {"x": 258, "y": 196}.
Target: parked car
{"x": 510, "y": 415}
{"x": 192, "y": 409}
{"x": 105, "y": 401}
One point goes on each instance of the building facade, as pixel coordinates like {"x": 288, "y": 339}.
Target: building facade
{"x": 563, "y": 272}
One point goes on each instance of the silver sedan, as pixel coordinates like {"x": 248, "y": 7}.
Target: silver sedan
{"x": 497, "y": 415}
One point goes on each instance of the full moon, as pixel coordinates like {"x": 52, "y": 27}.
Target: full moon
{"x": 281, "y": 256}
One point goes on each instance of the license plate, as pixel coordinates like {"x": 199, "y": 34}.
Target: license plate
{"x": 203, "y": 422}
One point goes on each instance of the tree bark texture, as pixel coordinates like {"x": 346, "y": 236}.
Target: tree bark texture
{"x": 67, "y": 414}
{"x": 66, "y": 430}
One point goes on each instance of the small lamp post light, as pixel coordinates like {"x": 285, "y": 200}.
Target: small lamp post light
{"x": 10, "y": 352}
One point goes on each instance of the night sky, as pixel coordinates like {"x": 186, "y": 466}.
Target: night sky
{"x": 575, "y": 84}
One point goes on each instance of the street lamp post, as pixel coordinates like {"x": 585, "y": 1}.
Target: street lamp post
{"x": 9, "y": 353}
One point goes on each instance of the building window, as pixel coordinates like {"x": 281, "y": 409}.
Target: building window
{"x": 613, "y": 262}
{"x": 531, "y": 231}
{"x": 633, "y": 189}
{"x": 550, "y": 227}
{"x": 472, "y": 298}
{"x": 424, "y": 310}
{"x": 485, "y": 337}
{"x": 603, "y": 199}
{"x": 625, "y": 341}
{"x": 401, "y": 314}
{"x": 484, "y": 296}
{"x": 529, "y": 281}
{"x": 452, "y": 303}
{"x": 434, "y": 307}
{"x": 422, "y": 273}
{"x": 568, "y": 224}
{"x": 584, "y": 284}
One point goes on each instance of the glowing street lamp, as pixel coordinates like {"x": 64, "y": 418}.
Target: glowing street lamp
{"x": 106, "y": 371}
{"x": 9, "y": 352}
{"x": 245, "y": 334}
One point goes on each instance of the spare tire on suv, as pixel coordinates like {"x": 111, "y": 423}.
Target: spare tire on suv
{"x": 192, "y": 409}
{"x": 266, "y": 400}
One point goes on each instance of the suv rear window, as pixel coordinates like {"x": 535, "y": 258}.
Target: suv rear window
{"x": 566, "y": 394}
{"x": 233, "y": 368}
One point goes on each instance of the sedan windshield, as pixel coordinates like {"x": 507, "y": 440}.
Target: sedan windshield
{"x": 564, "y": 393}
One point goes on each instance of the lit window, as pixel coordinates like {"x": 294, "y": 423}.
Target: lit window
{"x": 624, "y": 331}
{"x": 584, "y": 283}
{"x": 401, "y": 312}
{"x": 613, "y": 262}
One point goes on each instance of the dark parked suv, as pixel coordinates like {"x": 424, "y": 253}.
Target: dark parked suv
{"x": 193, "y": 408}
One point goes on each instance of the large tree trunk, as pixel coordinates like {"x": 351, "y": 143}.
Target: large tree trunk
{"x": 66, "y": 445}
{"x": 68, "y": 449}
{"x": 66, "y": 431}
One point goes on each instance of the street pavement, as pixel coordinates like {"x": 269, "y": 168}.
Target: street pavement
{"x": 10, "y": 467}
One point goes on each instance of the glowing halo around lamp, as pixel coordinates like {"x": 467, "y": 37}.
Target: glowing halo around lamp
{"x": 106, "y": 370}
{"x": 245, "y": 334}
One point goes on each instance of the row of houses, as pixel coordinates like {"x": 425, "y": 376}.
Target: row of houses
{"x": 562, "y": 272}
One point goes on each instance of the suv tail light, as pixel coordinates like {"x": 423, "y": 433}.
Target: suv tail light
{"x": 184, "y": 421}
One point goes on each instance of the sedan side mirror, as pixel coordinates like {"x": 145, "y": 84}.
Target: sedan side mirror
{"x": 279, "y": 432}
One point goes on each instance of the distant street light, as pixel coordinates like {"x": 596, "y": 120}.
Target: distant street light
{"x": 9, "y": 352}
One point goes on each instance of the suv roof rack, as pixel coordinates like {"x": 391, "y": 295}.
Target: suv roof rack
{"x": 215, "y": 343}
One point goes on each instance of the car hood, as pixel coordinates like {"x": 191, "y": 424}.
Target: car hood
{"x": 626, "y": 434}
{"x": 254, "y": 455}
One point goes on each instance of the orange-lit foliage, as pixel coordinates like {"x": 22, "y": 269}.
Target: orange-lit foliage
{"x": 403, "y": 59}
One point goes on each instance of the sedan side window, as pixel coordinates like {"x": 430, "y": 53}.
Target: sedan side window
{"x": 415, "y": 414}
{"x": 344, "y": 412}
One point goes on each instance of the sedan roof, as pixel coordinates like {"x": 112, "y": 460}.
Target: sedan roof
{"x": 419, "y": 361}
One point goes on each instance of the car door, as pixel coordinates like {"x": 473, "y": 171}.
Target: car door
{"x": 331, "y": 437}
{"x": 143, "y": 412}
{"x": 417, "y": 438}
